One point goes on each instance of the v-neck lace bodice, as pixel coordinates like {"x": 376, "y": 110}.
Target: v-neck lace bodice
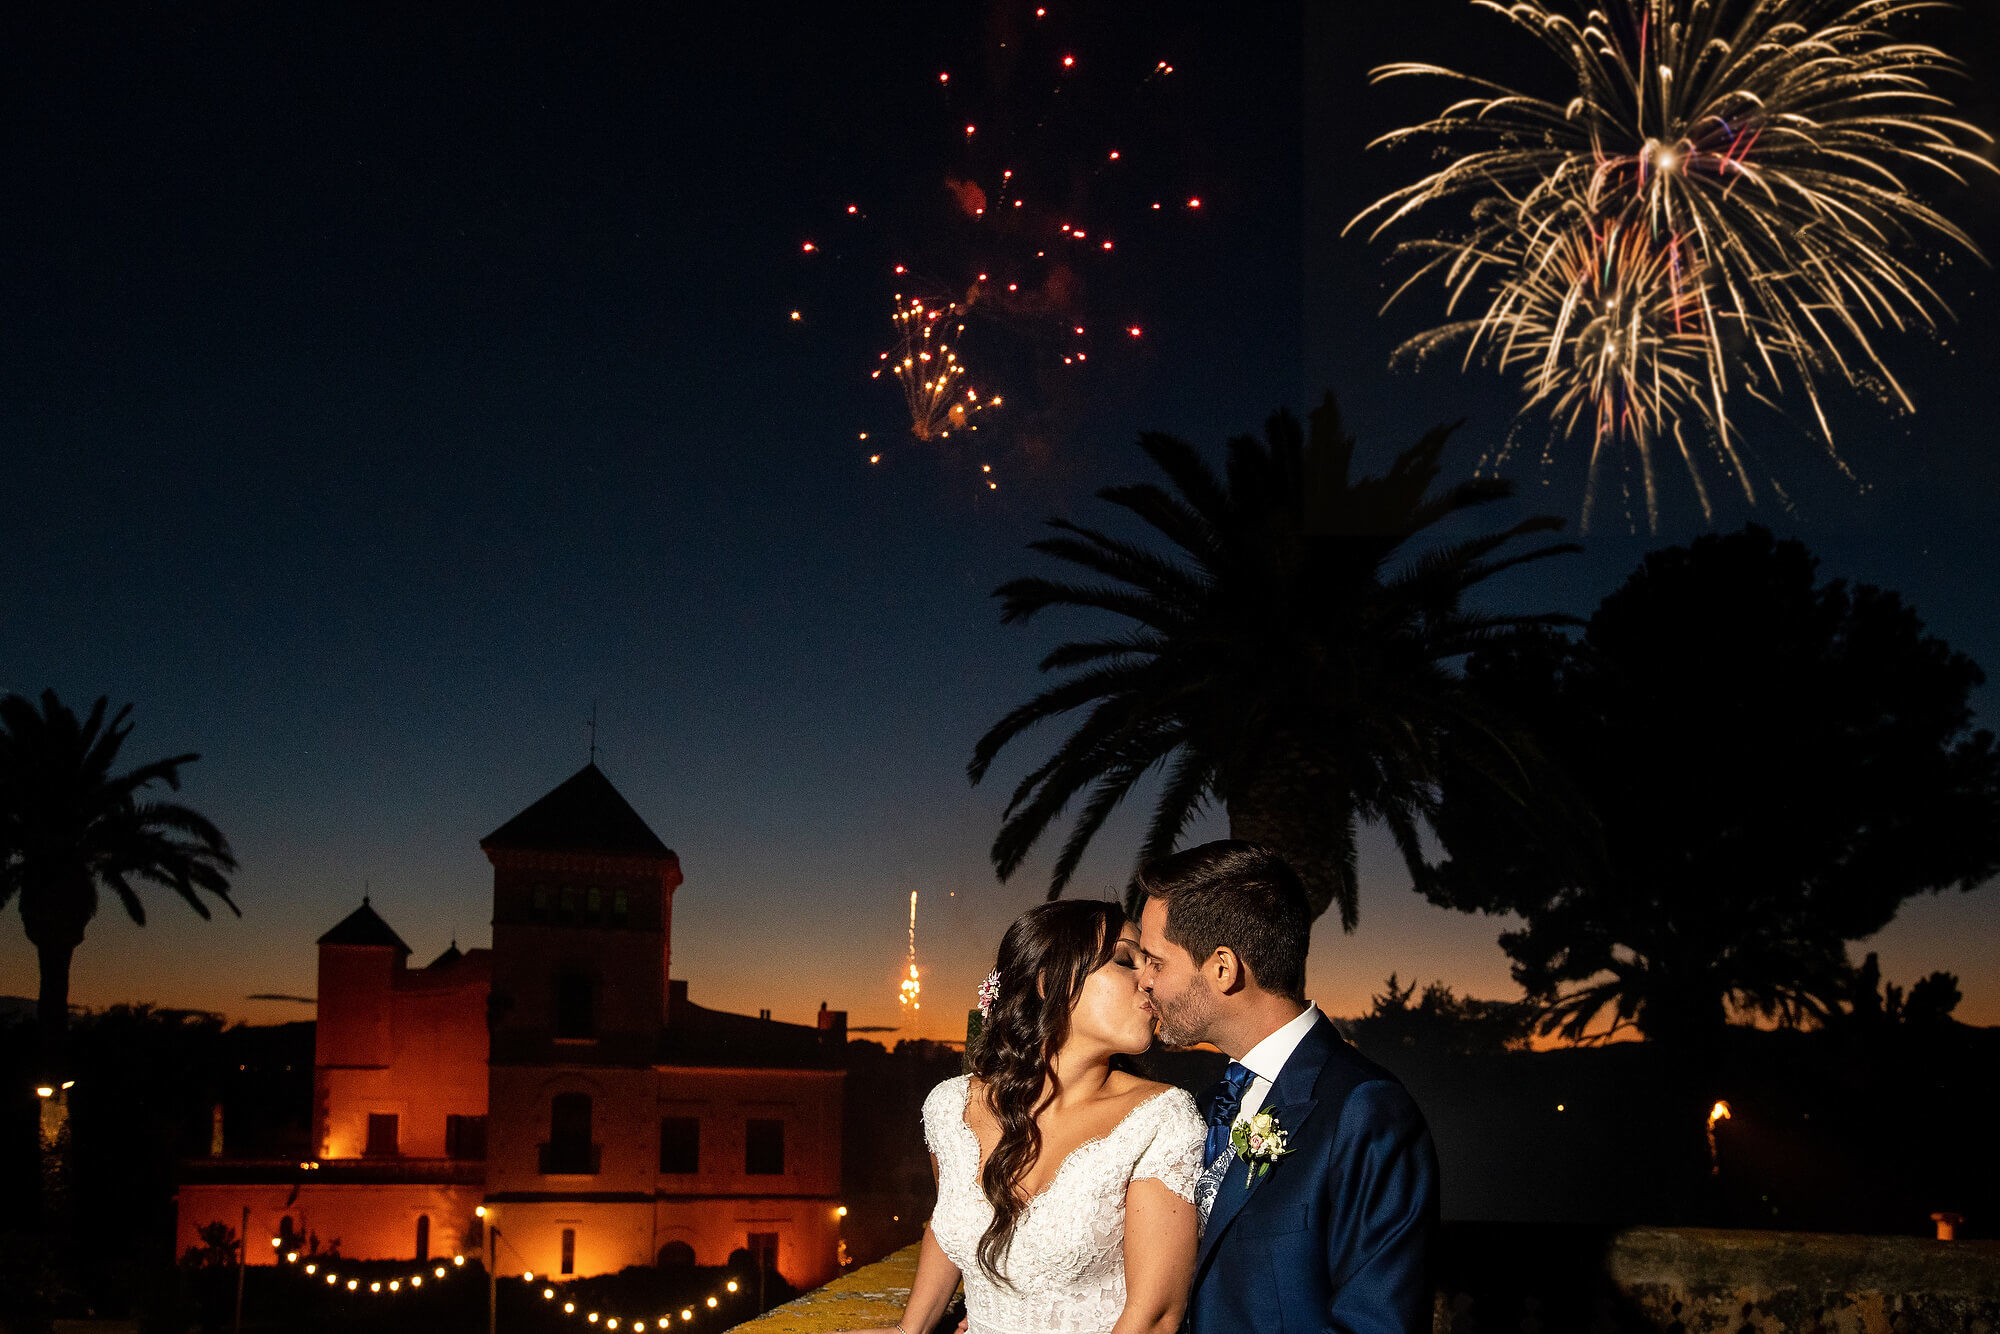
{"x": 1067, "y": 1263}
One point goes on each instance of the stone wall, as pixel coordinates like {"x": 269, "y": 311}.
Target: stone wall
{"x": 870, "y": 1297}
{"x": 1495, "y": 1278}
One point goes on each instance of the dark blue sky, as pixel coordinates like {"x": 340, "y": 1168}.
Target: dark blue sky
{"x": 380, "y": 392}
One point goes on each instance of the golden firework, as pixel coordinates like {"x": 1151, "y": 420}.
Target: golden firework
{"x": 1740, "y": 170}
{"x": 926, "y": 365}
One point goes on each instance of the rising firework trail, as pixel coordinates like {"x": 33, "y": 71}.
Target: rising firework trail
{"x": 912, "y": 986}
{"x": 1724, "y": 202}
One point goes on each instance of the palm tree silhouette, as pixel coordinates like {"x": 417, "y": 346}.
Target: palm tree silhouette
{"x": 71, "y": 828}
{"x": 1290, "y": 661}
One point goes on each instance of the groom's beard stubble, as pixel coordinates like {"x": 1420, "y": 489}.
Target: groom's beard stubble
{"x": 1184, "y": 1019}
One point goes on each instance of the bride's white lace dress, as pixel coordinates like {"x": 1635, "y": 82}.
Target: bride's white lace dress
{"x": 1067, "y": 1262}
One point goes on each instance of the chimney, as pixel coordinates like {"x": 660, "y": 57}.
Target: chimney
{"x": 833, "y": 1022}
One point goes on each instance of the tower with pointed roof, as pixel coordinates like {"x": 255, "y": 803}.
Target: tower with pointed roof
{"x": 628, "y": 1122}
{"x": 583, "y": 895}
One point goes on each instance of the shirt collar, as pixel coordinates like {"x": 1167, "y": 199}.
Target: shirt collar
{"x": 1268, "y": 1057}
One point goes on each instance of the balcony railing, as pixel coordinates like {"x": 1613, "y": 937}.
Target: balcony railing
{"x": 569, "y": 1159}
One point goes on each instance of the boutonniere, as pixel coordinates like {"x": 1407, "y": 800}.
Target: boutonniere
{"x": 1259, "y": 1141}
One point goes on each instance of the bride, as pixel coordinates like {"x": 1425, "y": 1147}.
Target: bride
{"x": 1066, "y": 1185}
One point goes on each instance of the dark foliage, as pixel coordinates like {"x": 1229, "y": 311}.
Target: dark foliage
{"x": 147, "y": 1084}
{"x": 1439, "y": 1021}
{"x": 70, "y": 829}
{"x": 885, "y": 1169}
{"x": 1775, "y": 764}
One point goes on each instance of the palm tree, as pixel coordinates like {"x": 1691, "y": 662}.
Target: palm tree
{"x": 1291, "y": 661}
{"x": 71, "y": 828}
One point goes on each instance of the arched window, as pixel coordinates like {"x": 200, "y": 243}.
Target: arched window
{"x": 569, "y": 1148}
{"x": 423, "y": 1236}
{"x": 676, "y": 1255}
{"x": 576, "y": 1009}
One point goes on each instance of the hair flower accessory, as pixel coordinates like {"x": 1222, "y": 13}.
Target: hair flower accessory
{"x": 989, "y": 991}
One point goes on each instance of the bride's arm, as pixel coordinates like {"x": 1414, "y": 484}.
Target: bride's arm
{"x": 931, "y": 1292}
{"x": 1159, "y": 1259}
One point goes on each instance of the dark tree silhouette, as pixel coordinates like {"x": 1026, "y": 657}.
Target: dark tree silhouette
{"x": 1929, "y": 1004}
{"x": 1775, "y": 765}
{"x": 70, "y": 828}
{"x": 1292, "y": 660}
{"x": 1439, "y": 1022}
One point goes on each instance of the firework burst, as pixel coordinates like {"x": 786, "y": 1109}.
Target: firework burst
{"x": 929, "y": 370}
{"x": 1724, "y": 203}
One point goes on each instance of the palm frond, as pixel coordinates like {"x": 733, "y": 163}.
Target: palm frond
{"x": 1023, "y": 598}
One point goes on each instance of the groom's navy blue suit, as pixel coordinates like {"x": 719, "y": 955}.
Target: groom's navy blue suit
{"x": 1335, "y": 1235}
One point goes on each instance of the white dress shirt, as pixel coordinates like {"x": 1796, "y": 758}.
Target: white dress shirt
{"x": 1263, "y": 1061}
{"x": 1268, "y": 1057}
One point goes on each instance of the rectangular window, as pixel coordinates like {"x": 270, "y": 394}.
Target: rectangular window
{"x": 621, "y": 907}
{"x": 538, "y": 904}
{"x": 381, "y": 1135}
{"x": 569, "y": 1150}
{"x": 764, "y": 1148}
{"x": 595, "y": 902}
{"x": 569, "y": 1250}
{"x": 566, "y": 904}
{"x": 574, "y": 1005}
{"x": 763, "y": 1248}
{"x": 465, "y": 1138}
{"x": 680, "y": 1144}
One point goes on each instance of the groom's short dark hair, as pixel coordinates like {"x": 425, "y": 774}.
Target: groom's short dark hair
{"x": 1237, "y": 894}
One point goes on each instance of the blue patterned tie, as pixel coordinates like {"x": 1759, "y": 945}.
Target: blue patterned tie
{"x": 1222, "y": 1112}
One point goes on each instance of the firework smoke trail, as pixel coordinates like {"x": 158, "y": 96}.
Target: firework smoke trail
{"x": 1762, "y": 148}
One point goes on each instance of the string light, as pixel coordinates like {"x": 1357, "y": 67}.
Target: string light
{"x": 376, "y": 1287}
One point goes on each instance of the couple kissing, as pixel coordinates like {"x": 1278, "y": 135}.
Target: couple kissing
{"x": 1074, "y": 1197}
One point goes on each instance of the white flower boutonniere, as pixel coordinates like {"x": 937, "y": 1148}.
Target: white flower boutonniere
{"x": 1259, "y": 1141}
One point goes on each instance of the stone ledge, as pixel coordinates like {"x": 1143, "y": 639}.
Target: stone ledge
{"x": 1687, "y": 1279}
{"x": 870, "y": 1297}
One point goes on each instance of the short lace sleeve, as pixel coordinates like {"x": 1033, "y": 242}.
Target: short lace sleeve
{"x": 1173, "y": 1158}
{"x": 941, "y": 1105}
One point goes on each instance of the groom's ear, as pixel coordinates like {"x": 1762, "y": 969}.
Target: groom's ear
{"x": 1225, "y": 971}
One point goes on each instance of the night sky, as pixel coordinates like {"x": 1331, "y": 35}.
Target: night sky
{"x": 381, "y": 393}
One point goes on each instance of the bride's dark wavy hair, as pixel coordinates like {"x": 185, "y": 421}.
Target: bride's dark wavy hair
{"x": 1044, "y": 959}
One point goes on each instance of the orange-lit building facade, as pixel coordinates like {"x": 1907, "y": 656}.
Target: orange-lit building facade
{"x": 562, "y": 1080}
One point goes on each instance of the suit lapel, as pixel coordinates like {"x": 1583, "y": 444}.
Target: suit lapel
{"x": 1291, "y": 1102}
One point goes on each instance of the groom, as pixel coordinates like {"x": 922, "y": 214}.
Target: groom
{"x": 1328, "y": 1230}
